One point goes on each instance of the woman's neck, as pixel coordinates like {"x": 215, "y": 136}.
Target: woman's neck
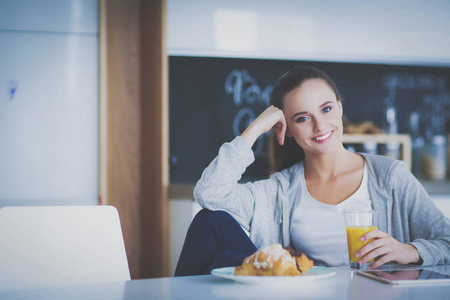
{"x": 329, "y": 166}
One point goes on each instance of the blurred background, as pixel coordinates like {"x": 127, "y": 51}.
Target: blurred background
{"x": 126, "y": 102}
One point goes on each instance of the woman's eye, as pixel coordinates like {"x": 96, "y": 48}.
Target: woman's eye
{"x": 301, "y": 119}
{"x": 326, "y": 109}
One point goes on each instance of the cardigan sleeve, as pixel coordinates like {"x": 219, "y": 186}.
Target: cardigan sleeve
{"x": 218, "y": 187}
{"x": 417, "y": 219}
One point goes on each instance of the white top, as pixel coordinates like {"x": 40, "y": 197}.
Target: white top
{"x": 318, "y": 229}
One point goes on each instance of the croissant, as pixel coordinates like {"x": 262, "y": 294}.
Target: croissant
{"x": 274, "y": 260}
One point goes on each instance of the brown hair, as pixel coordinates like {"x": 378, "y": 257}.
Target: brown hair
{"x": 282, "y": 157}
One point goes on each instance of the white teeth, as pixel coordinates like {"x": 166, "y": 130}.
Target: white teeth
{"x": 323, "y": 137}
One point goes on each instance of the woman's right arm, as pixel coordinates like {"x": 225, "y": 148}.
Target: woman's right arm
{"x": 271, "y": 118}
{"x": 218, "y": 187}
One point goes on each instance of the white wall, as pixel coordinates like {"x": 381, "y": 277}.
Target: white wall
{"x": 388, "y": 31}
{"x": 442, "y": 202}
{"x": 48, "y": 102}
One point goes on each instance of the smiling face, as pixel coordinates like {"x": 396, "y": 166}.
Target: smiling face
{"x": 314, "y": 117}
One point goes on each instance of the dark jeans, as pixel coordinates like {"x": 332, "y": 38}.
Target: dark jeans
{"x": 214, "y": 240}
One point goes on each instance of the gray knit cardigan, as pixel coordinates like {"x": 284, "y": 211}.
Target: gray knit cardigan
{"x": 265, "y": 207}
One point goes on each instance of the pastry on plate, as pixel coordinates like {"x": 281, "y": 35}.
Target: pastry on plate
{"x": 274, "y": 260}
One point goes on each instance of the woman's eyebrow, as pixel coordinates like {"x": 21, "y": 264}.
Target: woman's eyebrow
{"x": 305, "y": 112}
{"x": 299, "y": 113}
{"x": 326, "y": 103}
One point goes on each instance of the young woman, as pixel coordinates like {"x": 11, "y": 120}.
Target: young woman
{"x": 315, "y": 179}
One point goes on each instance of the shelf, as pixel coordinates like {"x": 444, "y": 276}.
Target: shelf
{"x": 181, "y": 191}
{"x": 436, "y": 187}
{"x": 403, "y": 139}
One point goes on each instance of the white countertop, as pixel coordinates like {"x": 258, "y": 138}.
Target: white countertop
{"x": 345, "y": 284}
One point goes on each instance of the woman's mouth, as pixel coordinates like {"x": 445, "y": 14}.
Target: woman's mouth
{"x": 323, "y": 138}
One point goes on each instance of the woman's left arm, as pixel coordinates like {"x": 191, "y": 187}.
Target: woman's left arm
{"x": 427, "y": 229}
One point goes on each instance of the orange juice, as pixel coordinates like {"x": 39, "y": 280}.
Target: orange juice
{"x": 354, "y": 234}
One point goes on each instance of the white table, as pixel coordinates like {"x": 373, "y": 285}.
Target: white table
{"x": 344, "y": 285}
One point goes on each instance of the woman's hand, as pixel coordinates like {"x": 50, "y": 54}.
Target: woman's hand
{"x": 388, "y": 248}
{"x": 271, "y": 118}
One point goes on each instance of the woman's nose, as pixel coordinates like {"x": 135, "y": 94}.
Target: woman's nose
{"x": 317, "y": 124}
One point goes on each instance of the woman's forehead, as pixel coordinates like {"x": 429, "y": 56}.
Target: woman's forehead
{"x": 310, "y": 92}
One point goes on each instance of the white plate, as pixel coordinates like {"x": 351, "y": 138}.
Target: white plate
{"x": 312, "y": 274}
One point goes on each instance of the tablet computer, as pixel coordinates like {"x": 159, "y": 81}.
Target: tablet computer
{"x": 406, "y": 276}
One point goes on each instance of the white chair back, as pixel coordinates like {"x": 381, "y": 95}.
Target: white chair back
{"x": 60, "y": 245}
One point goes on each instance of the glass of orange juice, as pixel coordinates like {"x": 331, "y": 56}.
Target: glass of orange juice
{"x": 358, "y": 223}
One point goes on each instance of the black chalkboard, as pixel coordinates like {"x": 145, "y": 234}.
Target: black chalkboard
{"x": 213, "y": 99}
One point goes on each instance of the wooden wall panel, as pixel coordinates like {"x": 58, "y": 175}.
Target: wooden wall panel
{"x": 155, "y": 137}
{"x": 133, "y": 129}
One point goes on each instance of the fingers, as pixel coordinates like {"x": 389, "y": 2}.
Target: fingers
{"x": 281, "y": 130}
{"x": 274, "y": 118}
{"x": 373, "y": 234}
{"x": 383, "y": 260}
{"x": 386, "y": 249}
{"x": 371, "y": 250}
{"x": 378, "y": 247}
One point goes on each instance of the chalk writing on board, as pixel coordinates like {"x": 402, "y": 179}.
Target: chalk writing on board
{"x": 12, "y": 88}
{"x": 414, "y": 82}
{"x": 432, "y": 89}
{"x": 246, "y": 93}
